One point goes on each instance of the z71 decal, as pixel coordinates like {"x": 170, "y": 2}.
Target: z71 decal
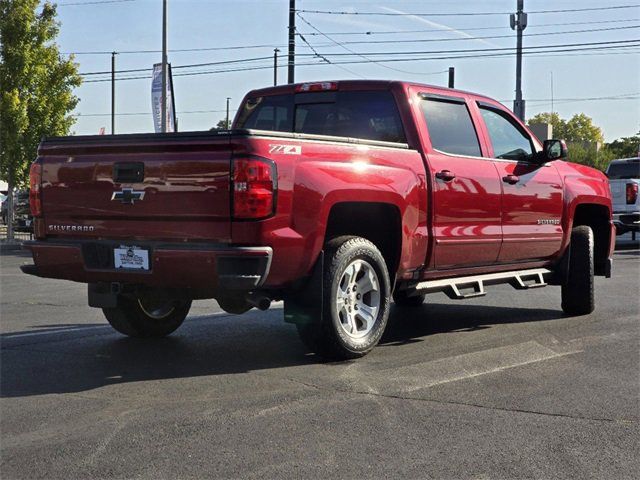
{"x": 285, "y": 149}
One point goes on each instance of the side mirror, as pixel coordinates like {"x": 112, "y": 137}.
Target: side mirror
{"x": 553, "y": 150}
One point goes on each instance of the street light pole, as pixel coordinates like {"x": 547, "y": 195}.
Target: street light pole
{"x": 519, "y": 23}
{"x": 164, "y": 66}
{"x": 113, "y": 92}
{"x": 275, "y": 66}
{"x": 227, "y": 121}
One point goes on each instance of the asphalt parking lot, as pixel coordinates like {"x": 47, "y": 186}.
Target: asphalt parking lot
{"x": 503, "y": 386}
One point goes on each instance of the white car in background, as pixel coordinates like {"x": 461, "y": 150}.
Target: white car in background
{"x": 624, "y": 180}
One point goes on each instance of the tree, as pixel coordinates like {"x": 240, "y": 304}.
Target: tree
{"x": 37, "y": 87}
{"x": 559, "y": 125}
{"x": 625, "y": 147}
{"x": 579, "y": 129}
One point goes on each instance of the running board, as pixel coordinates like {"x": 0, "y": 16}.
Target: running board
{"x": 473, "y": 286}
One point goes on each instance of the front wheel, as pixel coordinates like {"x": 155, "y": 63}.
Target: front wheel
{"x": 577, "y": 291}
{"x": 148, "y": 315}
{"x": 356, "y": 293}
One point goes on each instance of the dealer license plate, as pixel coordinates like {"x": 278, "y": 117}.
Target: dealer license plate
{"x": 132, "y": 258}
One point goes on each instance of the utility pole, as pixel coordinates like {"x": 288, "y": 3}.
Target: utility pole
{"x": 518, "y": 22}
{"x": 113, "y": 92}
{"x": 292, "y": 41}
{"x": 452, "y": 75}
{"x": 164, "y": 66}
{"x": 227, "y": 121}
{"x": 275, "y": 66}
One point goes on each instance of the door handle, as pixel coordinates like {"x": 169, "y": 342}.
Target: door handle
{"x": 511, "y": 179}
{"x": 445, "y": 175}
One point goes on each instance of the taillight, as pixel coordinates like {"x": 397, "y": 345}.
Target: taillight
{"x": 632, "y": 193}
{"x": 254, "y": 188}
{"x": 35, "y": 182}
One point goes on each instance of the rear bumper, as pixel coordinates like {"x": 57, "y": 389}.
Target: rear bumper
{"x": 626, "y": 221}
{"x": 207, "y": 267}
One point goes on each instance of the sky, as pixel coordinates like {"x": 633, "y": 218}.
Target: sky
{"x": 577, "y": 81}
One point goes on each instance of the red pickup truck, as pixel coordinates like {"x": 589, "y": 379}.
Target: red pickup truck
{"x": 332, "y": 196}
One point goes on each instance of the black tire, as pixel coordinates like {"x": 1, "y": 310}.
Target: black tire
{"x": 578, "y": 290}
{"x": 133, "y": 317}
{"x": 401, "y": 299}
{"x": 328, "y": 336}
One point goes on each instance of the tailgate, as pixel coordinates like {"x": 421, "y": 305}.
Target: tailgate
{"x": 157, "y": 187}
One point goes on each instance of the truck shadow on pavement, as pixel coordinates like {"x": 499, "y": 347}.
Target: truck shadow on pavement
{"x": 77, "y": 358}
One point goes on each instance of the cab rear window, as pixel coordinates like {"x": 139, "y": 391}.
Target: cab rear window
{"x": 624, "y": 170}
{"x": 365, "y": 115}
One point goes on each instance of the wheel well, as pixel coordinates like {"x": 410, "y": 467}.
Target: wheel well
{"x": 377, "y": 222}
{"x": 597, "y": 217}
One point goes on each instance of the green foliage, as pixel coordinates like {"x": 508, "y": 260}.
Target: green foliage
{"x": 589, "y": 155}
{"x": 625, "y": 147}
{"x": 578, "y": 129}
{"x": 37, "y": 85}
{"x": 222, "y": 124}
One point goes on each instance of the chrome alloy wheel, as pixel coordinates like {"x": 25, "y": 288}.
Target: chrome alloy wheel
{"x": 358, "y": 299}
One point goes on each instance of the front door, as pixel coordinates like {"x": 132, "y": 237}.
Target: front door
{"x": 465, "y": 189}
{"x": 531, "y": 193}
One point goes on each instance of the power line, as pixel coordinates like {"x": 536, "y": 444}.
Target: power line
{"x": 348, "y": 49}
{"x": 497, "y": 27}
{"x": 389, "y": 32}
{"x": 557, "y": 52}
{"x": 132, "y": 114}
{"x": 481, "y": 50}
{"x": 490, "y": 37}
{"x": 325, "y": 59}
{"x": 193, "y": 65}
{"x": 95, "y": 2}
{"x": 468, "y": 14}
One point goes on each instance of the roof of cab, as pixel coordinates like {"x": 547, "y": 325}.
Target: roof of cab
{"x": 364, "y": 84}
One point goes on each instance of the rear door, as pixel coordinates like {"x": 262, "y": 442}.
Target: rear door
{"x": 465, "y": 187}
{"x": 531, "y": 193}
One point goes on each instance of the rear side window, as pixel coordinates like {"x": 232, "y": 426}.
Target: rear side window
{"x": 365, "y": 115}
{"x": 273, "y": 113}
{"x": 624, "y": 170}
{"x": 509, "y": 141}
{"x": 450, "y": 127}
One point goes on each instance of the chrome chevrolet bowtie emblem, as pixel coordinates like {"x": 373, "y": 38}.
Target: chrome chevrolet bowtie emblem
{"x": 127, "y": 196}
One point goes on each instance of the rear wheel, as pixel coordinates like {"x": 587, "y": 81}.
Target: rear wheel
{"x": 356, "y": 291}
{"x": 147, "y": 316}
{"x": 578, "y": 290}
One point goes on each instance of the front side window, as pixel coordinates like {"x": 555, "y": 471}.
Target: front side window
{"x": 450, "y": 127}
{"x": 509, "y": 141}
